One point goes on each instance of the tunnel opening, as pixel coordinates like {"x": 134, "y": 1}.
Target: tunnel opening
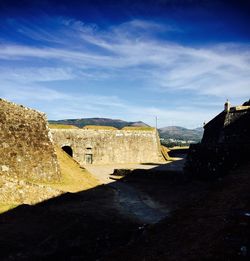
{"x": 68, "y": 150}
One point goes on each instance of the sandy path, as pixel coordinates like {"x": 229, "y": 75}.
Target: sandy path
{"x": 103, "y": 172}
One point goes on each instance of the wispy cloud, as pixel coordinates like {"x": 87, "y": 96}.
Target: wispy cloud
{"x": 60, "y": 105}
{"x": 75, "y": 51}
{"x": 31, "y": 74}
{"x": 24, "y": 93}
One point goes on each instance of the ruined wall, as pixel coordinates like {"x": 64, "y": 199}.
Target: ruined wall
{"x": 110, "y": 146}
{"x": 25, "y": 146}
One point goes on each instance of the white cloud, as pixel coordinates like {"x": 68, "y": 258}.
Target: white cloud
{"x": 168, "y": 65}
{"x": 31, "y": 74}
{"x": 24, "y": 93}
{"x": 173, "y": 67}
{"x": 76, "y": 50}
{"x": 58, "y": 105}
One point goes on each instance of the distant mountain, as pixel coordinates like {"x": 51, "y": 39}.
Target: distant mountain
{"x": 170, "y": 132}
{"x": 119, "y": 124}
{"x": 180, "y": 133}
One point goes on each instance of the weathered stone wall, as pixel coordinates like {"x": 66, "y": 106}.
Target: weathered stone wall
{"x": 229, "y": 127}
{"x": 224, "y": 146}
{"x": 208, "y": 161}
{"x": 26, "y": 149}
{"x": 110, "y": 146}
{"x": 19, "y": 191}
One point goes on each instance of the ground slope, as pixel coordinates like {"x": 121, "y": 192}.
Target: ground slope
{"x": 74, "y": 179}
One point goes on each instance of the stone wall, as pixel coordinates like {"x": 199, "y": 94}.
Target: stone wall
{"x": 229, "y": 127}
{"x": 225, "y": 144}
{"x": 102, "y": 146}
{"x": 208, "y": 161}
{"x": 26, "y": 148}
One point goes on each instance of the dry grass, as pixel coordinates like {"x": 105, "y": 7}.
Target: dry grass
{"x": 74, "y": 178}
{"x": 6, "y": 207}
{"x": 62, "y": 126}
{"x": 140, "y": 128}
{"x": 164, "y": 151}
{"x": 95, "y": 127}
{"x": 179, "y": 148}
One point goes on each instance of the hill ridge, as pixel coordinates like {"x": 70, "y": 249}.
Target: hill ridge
{"x": 168, "y": 132}
{"x": 181, "y": 133}
{"x": 117, "y": 123}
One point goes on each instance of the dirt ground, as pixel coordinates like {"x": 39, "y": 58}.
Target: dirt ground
{"x": 80, "y": 226}
{"x": 211, "y": 222}
{"x": 203, "y": 221}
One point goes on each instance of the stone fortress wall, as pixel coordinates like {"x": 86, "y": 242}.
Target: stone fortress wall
{"x": 225, "y": 144}
{"x": 104, "y": 146}
{"x": 26, "y": 147}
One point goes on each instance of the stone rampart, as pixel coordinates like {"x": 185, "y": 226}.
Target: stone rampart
{"x": 104, "y": 146}
{"x": 26, "y": 148}
{"x": 208, "y": 161}
{"x": 225, "y": 144}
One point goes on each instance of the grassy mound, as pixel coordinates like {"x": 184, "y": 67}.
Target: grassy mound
{"x": 74, "y": 178}
{"x": 6, "y": 207}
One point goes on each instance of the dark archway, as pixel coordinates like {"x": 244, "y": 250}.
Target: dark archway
{"x": 68, "y": 150}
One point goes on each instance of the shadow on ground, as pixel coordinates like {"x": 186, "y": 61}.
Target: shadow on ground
{"x": 87, "y": 225}
{"x": 81, "y": 226}
{"x": 207, "y": 221}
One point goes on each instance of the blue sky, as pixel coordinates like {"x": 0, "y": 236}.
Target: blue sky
{"x": 132, "y": 60}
